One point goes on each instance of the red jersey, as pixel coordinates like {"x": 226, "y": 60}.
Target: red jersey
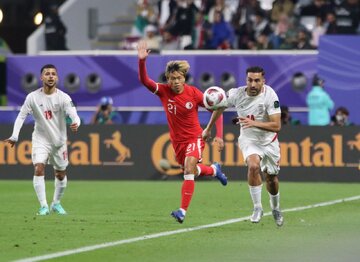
{"x": 181, "y": 109}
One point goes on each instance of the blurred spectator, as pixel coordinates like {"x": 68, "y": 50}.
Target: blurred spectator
{"x": 286, "y": 118}
{"x": 223, "y": 8}
{"x": 331, "y": 24}
{"x": 182, "y": 22}
{"x": 261, "y": 25}
{"x": 281, "y": 7}
{"x": 347, "y": 16}
{"x": 316, "y": 8}
{"x": 222, "y": 34}
{"x": 168, "y": 41}
{"x": 302, "y": 41}
{"x": 55, "y": 30}
{"x": 318, "y": 31}
{"x": 290, "y": 39}
{"x": 153, "y": 41}
{"x": 105, "y": 114}
{"x": 281, "y": 28}
{"x": 166, "y": 9}
{"x": 263, "y": 42}
{"x": 144, "y": 16}
{"x": 341, "y": 117}
{"x": 319, "y": 104}
{"x": 4, "y": 52}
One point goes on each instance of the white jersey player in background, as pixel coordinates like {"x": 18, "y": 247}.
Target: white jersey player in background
{"x": 49, "y": 107}
{"x": 258, "y": 110}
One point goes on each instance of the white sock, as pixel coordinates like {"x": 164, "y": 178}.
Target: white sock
{"x": 183, "y": 211}
{"x": 255, "y": 192}
{"x": 60, "y": 186}
{"x": 275, "y": 201}
{"x": 39, "y": 186}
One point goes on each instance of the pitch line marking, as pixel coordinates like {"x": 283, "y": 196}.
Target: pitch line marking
{"x": 173, "y": 232}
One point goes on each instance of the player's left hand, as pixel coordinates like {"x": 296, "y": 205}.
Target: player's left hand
{"x": 220, "y": 143}
{"x": 74, "y": 127}
{"x": 246, "y": 122}
{"x": 11, "y": 142}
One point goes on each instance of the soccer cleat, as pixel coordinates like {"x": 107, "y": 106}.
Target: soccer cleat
{"x": 279, "y": 219}
{"x": 256, "y": 215}
{"x": 58, "y": 209}
{"x": 178, "y": 215}
{"x": 219, "y": 174}
{"x": 43, "y": 211}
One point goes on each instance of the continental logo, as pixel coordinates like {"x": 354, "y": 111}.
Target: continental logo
{"x": 109, "y": 152}
{"x": 305, "y": 153}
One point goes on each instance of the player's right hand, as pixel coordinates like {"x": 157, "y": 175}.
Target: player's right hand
{"x": 143, "y": 52}
{"x": 11, "y": 142}
{"x": 74, "y": 127}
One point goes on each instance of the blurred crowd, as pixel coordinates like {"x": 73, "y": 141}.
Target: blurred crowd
{"x": 241, "y": 24}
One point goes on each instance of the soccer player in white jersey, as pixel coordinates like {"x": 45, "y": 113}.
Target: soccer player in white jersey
{"x": 259, "y": 117}
{"x": 49, "y": 107}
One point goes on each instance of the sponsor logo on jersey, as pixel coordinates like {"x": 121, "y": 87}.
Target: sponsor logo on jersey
{"x": 276, "y": 104}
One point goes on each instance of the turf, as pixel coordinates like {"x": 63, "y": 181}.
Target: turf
{"x": 102, "y": 212}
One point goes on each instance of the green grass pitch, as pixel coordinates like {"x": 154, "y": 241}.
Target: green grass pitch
{"x": 107, "y": 211}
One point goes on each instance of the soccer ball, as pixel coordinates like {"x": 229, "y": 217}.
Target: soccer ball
{"x": 214, "y": 98}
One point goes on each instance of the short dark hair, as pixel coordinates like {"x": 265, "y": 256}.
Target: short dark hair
{"x": 255, "y": 69}
{"x": 46, "y": 67}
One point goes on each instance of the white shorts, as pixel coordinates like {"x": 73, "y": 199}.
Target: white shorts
{"x": 55, "y": 156}
{"x": 269, "y": 154}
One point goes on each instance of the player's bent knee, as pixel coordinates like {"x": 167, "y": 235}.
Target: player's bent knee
{"x": 39, "y": 170}
{"x": 60, "y": 174}
{"x": 254, "y": 168}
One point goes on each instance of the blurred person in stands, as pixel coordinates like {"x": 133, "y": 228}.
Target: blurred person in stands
{"x": 55, "y": 30}
{"x": 151, "y": 38}
{"x": 49, "y": 107}
{"x": 166, "y": 9}
{"x": 341, "y": 117}
{"x": 144, "y": 16}
{"x": 168, "y": 41}
{"x": 286, "y": 118}
{"x": 4, "y": 52}
{"x": 182, "y": 22}
{"x": 181, "y": 103}
{"x": 302, "y": 41}
{"x": 105, "y": 114}
{"x": 222, "y": 33}
{"x": 319, "y": 103}
{"x": 318, "y": 31}
{"x": 259, "y": 117}
{"x": 281, "y": 8}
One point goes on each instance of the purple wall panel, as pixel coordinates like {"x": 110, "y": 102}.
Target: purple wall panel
{"x": 120, "y": 79}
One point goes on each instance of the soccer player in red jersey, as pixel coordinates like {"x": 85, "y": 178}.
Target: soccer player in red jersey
{"x": 181, "y": 102}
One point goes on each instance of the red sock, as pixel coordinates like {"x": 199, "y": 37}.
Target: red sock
{"x": 187, "y": 191}
{"x": 205, "y": 170}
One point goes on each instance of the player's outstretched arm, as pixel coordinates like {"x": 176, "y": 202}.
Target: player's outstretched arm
{"x": 143, "y": 52}
{"x": 215, "y": 115}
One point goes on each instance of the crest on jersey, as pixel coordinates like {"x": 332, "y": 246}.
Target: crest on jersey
{"x": 189, "y": 105}
{"x": 276, "y": 104}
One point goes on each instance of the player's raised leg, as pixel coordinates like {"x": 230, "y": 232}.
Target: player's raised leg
{"x": 213, "y": 170}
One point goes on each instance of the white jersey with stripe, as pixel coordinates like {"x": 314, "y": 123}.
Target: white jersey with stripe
{"x": 258, "y": 108}
{"x": 49, "y": 112}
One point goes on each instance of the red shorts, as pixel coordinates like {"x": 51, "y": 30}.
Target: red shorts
{"x": 192, "y": 148}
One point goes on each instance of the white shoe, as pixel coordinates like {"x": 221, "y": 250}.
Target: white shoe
{"x": 279, "y": 219}
{"x": 256, "y": 215}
